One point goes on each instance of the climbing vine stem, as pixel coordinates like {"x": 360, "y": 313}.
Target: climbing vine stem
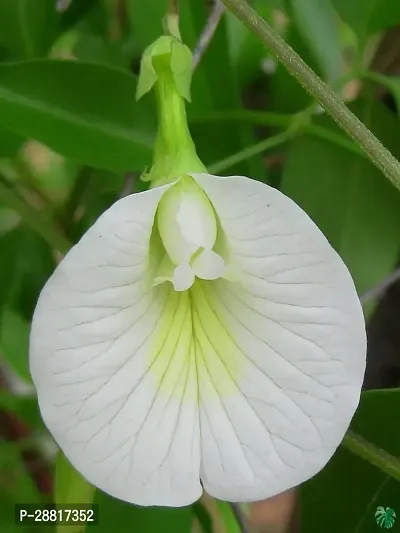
{"x": 330, "y": 101}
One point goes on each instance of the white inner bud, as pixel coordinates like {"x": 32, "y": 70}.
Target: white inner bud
{"x": 188, "y": 230}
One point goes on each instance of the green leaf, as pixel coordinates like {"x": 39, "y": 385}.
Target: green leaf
{"x": 318, "y": 24}
{"x": 356, "y": 13}
{"x": 368, "y": 16}
{"x": 10, "y": 143}
{"x": 21, "y": 279}
{"x": 14, "y": 342}
{"x": 146, "y": 20}
{"x": 30, "y": 275}
{"x": 127, "y": 518}
{"x": 81, "y": 110}
{"x": 8, "y": 262}
{"x": 16, "y": 486}
{"x": 392, "y": 83}
{"x": 27, "y": 29}
{"x": 38, "y": 220}
{"x": 76, "y": 12}
{"x": 386, "y": 14}
{"x": 345, "y": 495}
{"x": 368, "y": 419}
{"x": 9, "y": 219}
{"x": 281, "y": 5}
{"x": 245, "y": 50}
{"x": 95, "y": 49}
{"x": 339, "y": 191}
{"x": 287, "y": 95}
{"x": 14, "y": 480}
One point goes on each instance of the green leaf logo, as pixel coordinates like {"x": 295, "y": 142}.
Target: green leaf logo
{"x": 385, "y": 518}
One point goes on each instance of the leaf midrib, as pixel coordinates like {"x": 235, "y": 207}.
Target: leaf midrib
{"x": 10, "y": 97}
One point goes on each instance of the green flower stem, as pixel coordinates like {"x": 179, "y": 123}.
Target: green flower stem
{"x": 33, "y": 217}
{"x": 386, "y": 462}
{"x": 378, "y": 154}
{"x": 251, "y": 151}
{"x": 228, "y": 517}
{"x": 174, "y": 150}
{"x": 173, "y": 129}
{"x": 263, "y": 118}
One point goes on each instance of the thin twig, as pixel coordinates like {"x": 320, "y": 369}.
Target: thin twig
{"x": 171, "y": 20}
{"x": 208, "y": 32}
{"x": 116, "y": 20}
{"x": 173, "y": 7}
{"x": 15, "y": 431}
{"x": 380, "y": 289}
{"x": 129, "y": 184}
{"x": 250, "y": 151}
{"x": 265, "y": 118}
{"x": 75, "y": 205}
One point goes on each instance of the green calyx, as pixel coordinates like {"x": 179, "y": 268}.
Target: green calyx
{"x": 167, "y": 53}
{"x": 167, "y": 66}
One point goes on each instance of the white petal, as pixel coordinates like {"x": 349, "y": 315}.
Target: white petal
{"x": 208, "y": 265}
{"x": 282, "y": 350}
{"x": 112, "y": 359}
{"x": 186, "y": 220}
{"x": 183, "y": 277}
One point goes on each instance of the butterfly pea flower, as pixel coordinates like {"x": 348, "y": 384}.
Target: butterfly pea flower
{"x": 202, "y": 334}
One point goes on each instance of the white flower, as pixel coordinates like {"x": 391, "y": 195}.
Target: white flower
{"x": 241, "y": 376}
